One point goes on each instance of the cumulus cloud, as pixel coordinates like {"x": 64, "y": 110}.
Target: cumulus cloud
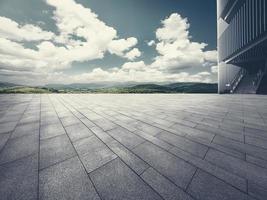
{"x": 14, "y": 56}
{"x": 214, "y": 69}
{"x": 133, "y": 54}
{"x": 204, "y": 73}
{"x": 134, "y": 66}
{"x": 173, "y": 28}
{"x": 10, "y": 29}
{"x": 175, "y": 46}
{"x": 74, "y": 19}
{"x": 138, "y": 72}
{"x": 130, "y": 72}
{"x": 211, "y": 56}
{"x": 119, "y": 47}
{"x": 48, "y": 57}
{"x": 151, "y": 43}
{"x": 141, "y": 73}
{"x": 82, "y": 37}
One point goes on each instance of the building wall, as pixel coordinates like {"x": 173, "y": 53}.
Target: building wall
{"x": 242, "y": 28}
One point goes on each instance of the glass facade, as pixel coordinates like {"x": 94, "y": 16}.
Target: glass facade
{"x": 242, "y": 45}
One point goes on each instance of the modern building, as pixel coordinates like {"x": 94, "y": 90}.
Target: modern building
{"x": 242, "y": 46}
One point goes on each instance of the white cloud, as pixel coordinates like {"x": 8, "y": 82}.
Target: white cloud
{"x": 134, "y": 66}
{"x": 151, "y": 43}
{"x": 82, "y": 37}
{"x": 129, "y": 72}
{"x": 214, "y": 69}
{"x": 211, "y": 56}
{"x": 133, "y": 54}
{"x": 10, "y": 29}
{"x": 137, "y": 72}
{"x": 14, "y": 56}
{"x": 174, "y": 28}
{"x": 204, "y": 74}
{"x": 175, "y": 48}
{"x": 119, "y": 47}
{"x": 74, "y": 19}
{"x": 48, "y": 57}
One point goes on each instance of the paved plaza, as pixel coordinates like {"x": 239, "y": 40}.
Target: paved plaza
{"x": 133, "y": 146}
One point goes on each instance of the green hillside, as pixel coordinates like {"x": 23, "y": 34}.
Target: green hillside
{"x": 96, "y": 88}
{"x": 24, "y": 90}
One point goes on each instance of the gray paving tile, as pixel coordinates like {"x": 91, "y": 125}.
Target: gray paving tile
{"x": 185, "y": 122}
{"x": 49, "y": 119}
{"x": 135, "y": 163}
{"x": 259, "y": 142}
{"x": 77, "y": 114}
{"x": 125, "y": 125}
{"x": 125, "y": 137}
{"x": 257, "y": 191}
{"x": 239, "y": 167}
{"x": 154, "y": 140}
{"x": 54, "y": 150}
{"x": 105, "y": 124}
{"x": 87, "y": 122}
{"x": 7, "y": 127}
{"x": 232, "y": 179}
{"x": 184, "y": 144}
{"x": 230, "y": 165}
{"x": 31, "y": 118}
{"x": 91, "y": 115}
{"x": 210, "y": 122}
{"x": 19, "y": 147}
{"x": 70, "y": 120}
{"x": 116, "y": 181}
{"x": 78, "y": 131}
{"x": 193, "y": 132}
{"x": 51, "y": 130}
{"x": 152, "y": 130}
{"x": 177, "y": 170}
{"x": 245, "y": 148}
{"x": 163, "y": 186}
{"x": 207, "y": 187}
{"x": 234, "y": 136}
{"x": 106, "y": 138}
{"x": 86, "y": 145}
{"x": 25, "y": 129}
{"x": 229, "y": 151}
{"x": 94, "y": 160}
{"x": 232, "y": 127}
{"x": 66, "y": 180}
{"x": 19, "y": 179}
{"x": 256, "y": 125}
{"x": 93, "y": 153}
{"x": 63, "y": 112}
{"x": 3, "y": 139}
{"x": 256, "y": 161}
{"x": 10, "y": 118}
{"x": 254, "y": 132}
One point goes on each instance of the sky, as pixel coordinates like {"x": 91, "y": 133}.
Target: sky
{"x": 116, "y": 41}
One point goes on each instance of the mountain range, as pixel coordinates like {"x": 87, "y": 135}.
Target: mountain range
{"x": 180, "y": 87}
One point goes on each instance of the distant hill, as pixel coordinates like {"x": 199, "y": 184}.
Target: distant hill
{"x": 89, "y": 85}
{"x": 24, "y": 90}
{"x": 194, "y": 87}
{"x": 150, "y": 88}
{"x": 182, "y": 87}
{"x": 7, "y": 85}
{"x": 167, "y": 88}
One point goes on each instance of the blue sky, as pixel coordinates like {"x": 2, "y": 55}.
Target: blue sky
{"x": 50, "y": 41}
